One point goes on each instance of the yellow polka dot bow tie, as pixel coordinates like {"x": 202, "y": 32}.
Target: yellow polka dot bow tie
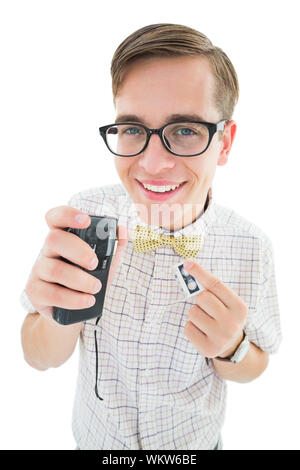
{"x": 146, "y": 239}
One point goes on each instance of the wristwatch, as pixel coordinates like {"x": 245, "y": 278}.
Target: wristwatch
{"x": 25, "y": 302}
{"x": 239, "y": 353}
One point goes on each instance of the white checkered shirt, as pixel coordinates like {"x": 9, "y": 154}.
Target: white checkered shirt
{"x": 158, "y": 391}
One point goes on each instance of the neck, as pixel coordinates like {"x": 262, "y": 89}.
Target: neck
{"x": 183, "y": 216}
{"x": 172, "y": 217}
{"x": 191, "y": 215}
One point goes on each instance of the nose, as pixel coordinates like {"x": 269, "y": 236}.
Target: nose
{"x": 156, "y": 159}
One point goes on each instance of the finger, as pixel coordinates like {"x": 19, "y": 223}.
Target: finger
{"x": 48, "y": 294}
{"x": 56, "y": 271}
{"x": 202, "y": 320}
{"x": 66, "y": 216}
{"x": 69, "y": 246}
{"x": 226, "y": 295}
{"x": 211, "y": 304}
{"x": 122, "y": 235}
{"x": 197, "y": 337}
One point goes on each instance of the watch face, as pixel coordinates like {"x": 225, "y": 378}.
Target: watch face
{"x": 242, "y": 351}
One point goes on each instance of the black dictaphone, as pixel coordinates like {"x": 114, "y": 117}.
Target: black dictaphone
{"x": 101, "y": 235}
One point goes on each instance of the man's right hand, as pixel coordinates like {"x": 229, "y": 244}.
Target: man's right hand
{"x": 76, "y": 287}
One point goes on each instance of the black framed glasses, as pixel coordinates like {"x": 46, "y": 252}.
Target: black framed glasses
{"x": 184, "y": 138}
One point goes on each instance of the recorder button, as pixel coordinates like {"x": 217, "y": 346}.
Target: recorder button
{"x": 185, "y": 273}
{"x": 192, "y": 285}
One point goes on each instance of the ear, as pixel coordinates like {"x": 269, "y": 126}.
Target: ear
{"x": 227, "y": 141}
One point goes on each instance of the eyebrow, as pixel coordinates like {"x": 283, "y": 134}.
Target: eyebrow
{"x": 172, "y": 117}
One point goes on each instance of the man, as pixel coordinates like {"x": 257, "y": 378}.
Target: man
{"x": 156, "y": 376}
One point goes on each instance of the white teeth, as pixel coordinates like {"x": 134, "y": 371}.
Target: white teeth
{"x": 160, "y": 189}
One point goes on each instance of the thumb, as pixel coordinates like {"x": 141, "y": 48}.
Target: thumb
{"x": 122, "y": 237}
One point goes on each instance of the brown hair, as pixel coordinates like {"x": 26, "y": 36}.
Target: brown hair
{"x": 166, "y": 39}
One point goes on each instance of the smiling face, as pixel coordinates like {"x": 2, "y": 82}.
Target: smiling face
{"x": 154, "y": 90}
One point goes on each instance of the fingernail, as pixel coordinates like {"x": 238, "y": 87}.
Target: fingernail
{"x": 188, "y": 264}
{"x": 91, "y": 301}
{"x": 97, "y": 286}
{"x": 81, "y": 218}
{"x": 94, "y": 263}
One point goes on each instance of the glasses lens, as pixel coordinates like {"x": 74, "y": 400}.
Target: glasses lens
{"x": 186, "y": 138}
{"x": 126, "y": 139}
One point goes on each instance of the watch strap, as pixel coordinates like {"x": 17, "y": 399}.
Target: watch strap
{"x": 229, "y": 358}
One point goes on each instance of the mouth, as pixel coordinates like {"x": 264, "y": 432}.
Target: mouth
{"x": 160, "y": 193}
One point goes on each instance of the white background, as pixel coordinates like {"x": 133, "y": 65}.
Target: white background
{"x": 55, "y": 91}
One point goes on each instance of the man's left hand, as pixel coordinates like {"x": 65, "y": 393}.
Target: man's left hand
{"x": 216, "y": 322}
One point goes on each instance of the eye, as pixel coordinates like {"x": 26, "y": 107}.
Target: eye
{"x": 186, "y": 131}
{"x": 132, "y": 131}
